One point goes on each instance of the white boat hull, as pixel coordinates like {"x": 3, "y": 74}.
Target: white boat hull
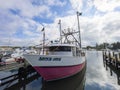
{"x": 53, "y": 60}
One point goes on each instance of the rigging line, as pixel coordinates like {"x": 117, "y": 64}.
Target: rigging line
{"x": 74, "y": 38}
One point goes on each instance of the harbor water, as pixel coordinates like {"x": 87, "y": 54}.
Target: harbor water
{"x": 95, "y": 76}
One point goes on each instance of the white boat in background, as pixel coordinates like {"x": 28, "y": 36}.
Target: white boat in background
{"x": 59, "y": 60}
{"x": 6, "y": 52}
{"x": 16, "y": 56}
{"x": 19, "y": 52}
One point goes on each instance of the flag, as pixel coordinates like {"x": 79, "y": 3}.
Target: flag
{"x": 79, "y": 13}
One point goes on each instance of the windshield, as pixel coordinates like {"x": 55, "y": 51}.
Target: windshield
{"x": 60, "y": 48}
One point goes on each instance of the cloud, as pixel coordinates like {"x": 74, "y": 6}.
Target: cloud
{"x": 77, "y": 4}
{"x": 55, "y": 2}
{"x": 25, "y": 7}
{"x": 98, "y": 22}
{"x": 110, "y": 26}
{"x": 106, "y": 5}
{"x": 100, "y": 29}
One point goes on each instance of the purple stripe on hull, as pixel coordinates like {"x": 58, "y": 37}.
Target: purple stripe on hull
{"x": 53, "y": 73}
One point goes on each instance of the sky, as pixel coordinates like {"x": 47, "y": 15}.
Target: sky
{"x": 21, "y": 21}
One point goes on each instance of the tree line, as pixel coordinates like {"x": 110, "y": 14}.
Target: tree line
{"x": 112, "y": 46}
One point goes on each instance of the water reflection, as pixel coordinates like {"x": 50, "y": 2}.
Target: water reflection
{"x": 34, "y": 82}
{"x": 113, "y": 70}
{"x": 75, "y": 82}
{"x": 97, "y": 78}
{"x": 21, "y": 84}
{"x": 18, "y": 82}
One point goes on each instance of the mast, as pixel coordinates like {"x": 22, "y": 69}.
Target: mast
{"x": 60, "y": 31}
{"x": 43, "y": 30}
{"x": 78, "y": 14}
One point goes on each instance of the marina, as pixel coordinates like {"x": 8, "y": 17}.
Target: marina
{"x": 97, "y": 76}
{"x": 60, "y": 45}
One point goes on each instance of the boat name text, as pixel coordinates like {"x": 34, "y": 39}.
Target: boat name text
{"x": 49, "y": 59}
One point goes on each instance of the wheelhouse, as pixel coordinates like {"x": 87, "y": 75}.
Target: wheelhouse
{"x": 63, "y": 49}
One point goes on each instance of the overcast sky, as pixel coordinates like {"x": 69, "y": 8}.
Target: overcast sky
{"x": 20, "y": 20}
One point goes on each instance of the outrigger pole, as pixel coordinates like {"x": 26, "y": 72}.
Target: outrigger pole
{"x": 60, "y": 31}
{"x": 78, "y": 14}
{"x": 43, "y": 30}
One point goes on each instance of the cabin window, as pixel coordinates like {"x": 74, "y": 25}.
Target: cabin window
{"x": 60, "y": 48}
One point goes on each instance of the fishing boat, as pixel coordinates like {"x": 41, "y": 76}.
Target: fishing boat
{"x": 60, "y": 59}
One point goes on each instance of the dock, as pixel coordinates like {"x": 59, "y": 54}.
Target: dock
{"x": 112, "y": 58}
{"x": 23, "y": 77}
{"x": 11, "y": 66}
{"x": 113, "y": 70}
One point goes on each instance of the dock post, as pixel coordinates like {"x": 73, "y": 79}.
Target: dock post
{"x": 105, "y": 57}
{"x": 103, "y": 52}
{"x": 119, "y": 56}
{"x": 116, "y": 59}
{"x": 109, "y": 58}
{"x": 113, "y": 54}
{"x": 111, "y": 72}
{"x": 118, "y": 78}
{"x": 113, "y": 61}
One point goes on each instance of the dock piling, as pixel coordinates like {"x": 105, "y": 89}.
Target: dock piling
{"x": 112, "y": 58}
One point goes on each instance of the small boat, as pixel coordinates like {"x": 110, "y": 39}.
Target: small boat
{"x": 59, "y": 59}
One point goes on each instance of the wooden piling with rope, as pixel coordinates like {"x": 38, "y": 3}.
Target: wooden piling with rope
{"x": 112, "y": 58}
